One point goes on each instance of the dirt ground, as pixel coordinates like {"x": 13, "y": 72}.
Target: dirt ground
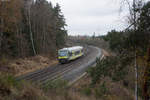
{"x": 105, "y": 53}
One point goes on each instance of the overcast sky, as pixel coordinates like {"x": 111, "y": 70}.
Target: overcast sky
{"x": 84, "y": 17}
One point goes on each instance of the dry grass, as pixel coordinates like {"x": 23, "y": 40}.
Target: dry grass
{"x": 10, "y": 89}
{"x": 115, "y": 90}
{"x": 25, "y": 65}
{"x": 22, "y": 91}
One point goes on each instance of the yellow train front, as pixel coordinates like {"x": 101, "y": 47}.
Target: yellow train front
{"x": 71, "y": 53}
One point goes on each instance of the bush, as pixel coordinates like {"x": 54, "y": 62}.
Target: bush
{"x": 111, "y": 66}
{"x": 101, "y": 91}
{"x": 54, "y": 85}
{"x": 7, "y": 84}
{"x": 87, "y": 91}
{"x": 11, "y": 89}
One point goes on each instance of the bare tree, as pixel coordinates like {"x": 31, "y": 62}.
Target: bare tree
{"x": 133, "y": 22}
{"x": 28, "y": 10}
{"x": 31, "y": 34}
{"x": 1, "y": 25}
{"x": 1, "y": 32}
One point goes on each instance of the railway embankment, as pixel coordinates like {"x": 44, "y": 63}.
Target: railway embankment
{"x": 55, "y": 90}
{"x": 68, "y": 72}
{"x": 22, "y": 66}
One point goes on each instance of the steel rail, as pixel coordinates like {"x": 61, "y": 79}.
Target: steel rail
{"x": 49, "y": 72}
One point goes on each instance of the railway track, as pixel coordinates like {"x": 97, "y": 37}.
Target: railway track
{"x": 59, "y": 70}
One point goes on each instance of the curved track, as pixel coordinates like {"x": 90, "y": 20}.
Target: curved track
{"x": 68, "y": 71}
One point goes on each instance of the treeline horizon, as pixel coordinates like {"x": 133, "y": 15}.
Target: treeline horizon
{"x": 30, "y": 27}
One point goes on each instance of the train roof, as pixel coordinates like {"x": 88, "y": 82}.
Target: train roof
{"x": 74, "y": 48}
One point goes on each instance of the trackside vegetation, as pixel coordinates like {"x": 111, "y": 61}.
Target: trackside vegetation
{"x": 110, "y": 67}
{"x": 129, "y": 47}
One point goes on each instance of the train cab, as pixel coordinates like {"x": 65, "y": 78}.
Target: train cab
{"x": 70, "y": 53}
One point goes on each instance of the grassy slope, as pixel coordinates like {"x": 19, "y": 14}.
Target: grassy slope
{"x": 10, "y": 89}
{"x": 113, "y": 91}
{"x": 24, "y": 65}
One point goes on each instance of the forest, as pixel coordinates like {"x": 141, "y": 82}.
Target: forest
{"x": 130, "y": 61}
{"x": 30, "y": 27}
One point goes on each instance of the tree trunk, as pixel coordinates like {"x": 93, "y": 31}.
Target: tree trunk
{"x": 146, "y": 85}
{"x": 135, "y": 58}
{"x": 31, "y": 34}
{"x": 1, "y": 33}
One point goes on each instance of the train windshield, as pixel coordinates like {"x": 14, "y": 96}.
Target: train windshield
{"x": 63, "y": 53}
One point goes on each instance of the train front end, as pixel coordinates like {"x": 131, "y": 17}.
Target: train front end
{"x": 63, "y": 56}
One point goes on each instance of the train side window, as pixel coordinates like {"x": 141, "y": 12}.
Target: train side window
{"x": 70, "y": 53}
{"x": 77, "y": 52}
